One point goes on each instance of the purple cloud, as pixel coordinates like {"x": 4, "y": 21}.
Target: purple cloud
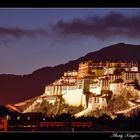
{"x": 111, "y": 25}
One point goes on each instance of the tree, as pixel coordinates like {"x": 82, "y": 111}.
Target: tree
{"x": 5, "y": 111}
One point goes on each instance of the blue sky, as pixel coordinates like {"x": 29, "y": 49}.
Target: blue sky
{"x": 35, "y": 38}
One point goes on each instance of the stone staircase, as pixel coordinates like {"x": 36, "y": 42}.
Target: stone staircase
{"x": 82, "y": 113}
{"x": 32, "y": 106}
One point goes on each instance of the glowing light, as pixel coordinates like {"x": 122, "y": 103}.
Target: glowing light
{"x": 28, "y": 118}
{"x": 18, "y": 118}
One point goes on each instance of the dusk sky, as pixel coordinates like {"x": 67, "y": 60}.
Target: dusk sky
{"x": 34, "y": 38}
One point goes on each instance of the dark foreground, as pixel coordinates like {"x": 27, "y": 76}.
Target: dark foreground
{"x": 66, "y": 122}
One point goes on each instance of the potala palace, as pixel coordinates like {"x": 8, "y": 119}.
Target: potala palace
{"x": 92, "y": 85}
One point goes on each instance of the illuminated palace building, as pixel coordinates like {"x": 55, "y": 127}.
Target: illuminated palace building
{"x": 92, "y": 85}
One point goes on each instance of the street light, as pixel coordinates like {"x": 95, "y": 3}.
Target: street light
{"x": 18, "y": 117}
{"x": 28, "y": 118}
{"x": 8, "y": 117}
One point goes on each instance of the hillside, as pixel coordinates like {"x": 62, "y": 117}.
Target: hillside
{"x": 17, "y": 88}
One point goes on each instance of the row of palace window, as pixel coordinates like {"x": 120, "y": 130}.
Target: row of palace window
{"x": 130, "y": 76}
